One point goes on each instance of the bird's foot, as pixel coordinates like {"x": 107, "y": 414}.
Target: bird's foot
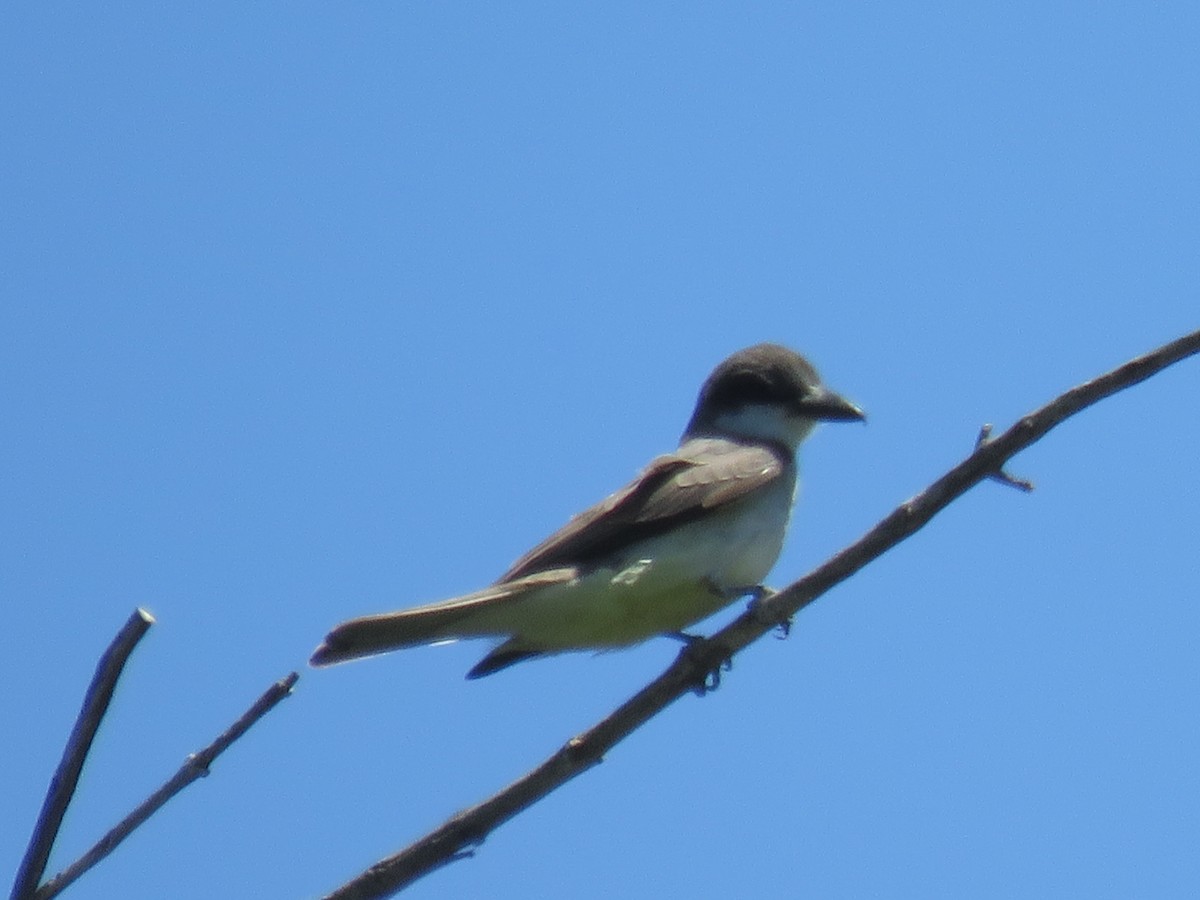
{"x": 758, "y": 594}
{"x": 711, "y": 679}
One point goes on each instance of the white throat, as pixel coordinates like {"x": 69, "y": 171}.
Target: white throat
{"x": 761, "y": 421}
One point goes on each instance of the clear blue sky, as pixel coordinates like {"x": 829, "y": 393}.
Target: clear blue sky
{"x": 312, "y": 310}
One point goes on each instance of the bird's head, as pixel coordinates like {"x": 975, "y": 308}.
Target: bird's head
{"x": 767, "y": 392}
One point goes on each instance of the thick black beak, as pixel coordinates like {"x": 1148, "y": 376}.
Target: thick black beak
{"x": 826, "y": 406}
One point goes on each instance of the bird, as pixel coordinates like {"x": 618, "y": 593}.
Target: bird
{"x": 693, "y": 532}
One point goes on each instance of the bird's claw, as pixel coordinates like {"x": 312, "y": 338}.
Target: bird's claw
{"x": 758, "y": 594}
{"x": 711, "y": 680}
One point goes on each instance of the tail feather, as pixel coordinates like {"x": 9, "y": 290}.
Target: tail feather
{"x": 456, "y": 618}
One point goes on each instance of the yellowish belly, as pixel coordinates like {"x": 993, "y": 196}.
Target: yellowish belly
{"x": 603, "y": 610}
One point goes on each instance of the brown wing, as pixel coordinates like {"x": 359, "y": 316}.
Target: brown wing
{"x": 679, "y": 487}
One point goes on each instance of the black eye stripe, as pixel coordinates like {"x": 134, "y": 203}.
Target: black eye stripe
{"x": 750, "y": 387}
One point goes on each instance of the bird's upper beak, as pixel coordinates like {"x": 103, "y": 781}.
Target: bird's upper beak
{"x": 824, "y": 405}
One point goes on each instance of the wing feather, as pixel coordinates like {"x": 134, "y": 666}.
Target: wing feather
{"x": 702, "y": 475}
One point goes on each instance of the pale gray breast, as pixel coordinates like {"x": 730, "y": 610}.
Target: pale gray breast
{"x": 734, "y": 546}
{"x": 755, "y": 536}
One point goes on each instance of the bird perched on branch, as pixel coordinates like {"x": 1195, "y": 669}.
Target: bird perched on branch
{"x": 697, "y": 529}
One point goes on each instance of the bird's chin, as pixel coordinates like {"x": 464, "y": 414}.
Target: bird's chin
{"x": 766, "y": 423}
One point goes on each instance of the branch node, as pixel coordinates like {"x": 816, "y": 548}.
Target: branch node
{"x": 576, "y": 751}
{"x": 194, "y": 763}
{"x": 1000, "y": 475}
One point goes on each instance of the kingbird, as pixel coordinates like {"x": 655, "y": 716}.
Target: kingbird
{"x": 697, "y": 529}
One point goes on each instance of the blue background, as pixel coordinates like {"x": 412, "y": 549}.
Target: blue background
{"x": 312, "y": 310}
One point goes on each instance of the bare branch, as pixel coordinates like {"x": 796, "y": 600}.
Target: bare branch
{"x": 457, "y": 837}
{"x": 66, "y": 776}
{"x": 194, "y": 767}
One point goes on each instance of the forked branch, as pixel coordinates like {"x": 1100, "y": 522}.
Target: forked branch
{"x": 62, "y": 785}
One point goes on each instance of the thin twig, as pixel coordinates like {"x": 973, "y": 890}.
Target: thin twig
{"x": 66, "y": 776}
{"x": 194, "y": 767}
{"x": 459, "y": 835}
